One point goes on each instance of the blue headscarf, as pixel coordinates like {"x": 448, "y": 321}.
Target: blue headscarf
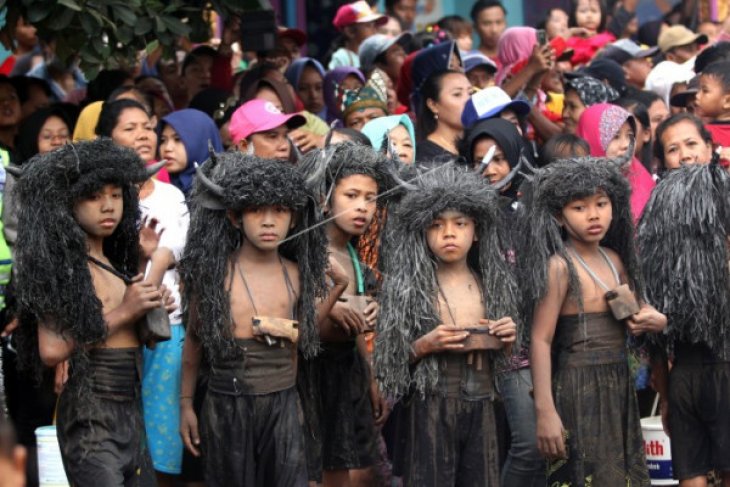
{"x": 195, "y": 129}
{"x": 376, "y": 130}
{"x": 294, "y": 73}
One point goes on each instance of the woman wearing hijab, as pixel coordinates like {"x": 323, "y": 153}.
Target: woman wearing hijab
{"x": 609, "y": 129}
{"x": 86, "y": 124}
{"x": 335, "y": 82}
{"x": 397, "y": 130}
{"x": 44, "y": 130}
{"x": 508, "y": 145}
{"x": 306, "y": 75}
{"x": 184, "y": 136}
{"x": 581, "y": 93}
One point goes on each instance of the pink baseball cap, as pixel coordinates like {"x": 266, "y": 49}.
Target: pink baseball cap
{"x": 259, "y": 116}
{"x": 357, "y": 13}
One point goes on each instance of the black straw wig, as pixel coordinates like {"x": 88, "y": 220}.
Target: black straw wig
{"x": 682, "y": 241}
{"x": 541, "y": 235}
{"x": 409, "y": 294}
{"x": 235, "y": 181}
{"x": 52, "y": 274}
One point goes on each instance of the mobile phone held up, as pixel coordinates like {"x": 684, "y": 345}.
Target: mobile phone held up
{"x": 541, "y": 37}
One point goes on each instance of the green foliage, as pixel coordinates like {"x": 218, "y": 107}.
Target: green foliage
{"x": 111, "y": 33}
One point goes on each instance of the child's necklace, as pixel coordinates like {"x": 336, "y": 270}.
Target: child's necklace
{"x": 127, "y": 280}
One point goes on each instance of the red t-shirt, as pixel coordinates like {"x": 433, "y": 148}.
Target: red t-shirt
{"x": 720, "y": 136}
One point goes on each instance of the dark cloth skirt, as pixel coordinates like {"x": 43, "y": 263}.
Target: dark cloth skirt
{"x": 99, "y": 422}
{"x": 597, "y": 405}
{"x": 448, "y": 441}
{"x": 335, "y": 391}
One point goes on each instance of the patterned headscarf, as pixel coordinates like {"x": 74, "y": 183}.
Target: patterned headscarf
{"x": 599, "y": 124}
{"x": 592, "y": 91}
{"x": 332, "y": 93}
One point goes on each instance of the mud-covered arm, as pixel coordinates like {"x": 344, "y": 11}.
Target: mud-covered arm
{"x": 547, "y": 311}
{"x": 53, "y": 347}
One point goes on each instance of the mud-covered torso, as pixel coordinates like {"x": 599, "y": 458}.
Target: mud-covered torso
{"x": 596, "y": 339}
{"x": 257, "y": 291}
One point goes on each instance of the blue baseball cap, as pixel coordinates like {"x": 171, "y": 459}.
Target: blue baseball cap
{"x": 489, "y": 103}
{"x": 474, "y": 59}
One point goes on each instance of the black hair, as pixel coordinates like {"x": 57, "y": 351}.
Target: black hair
{"x": 390, "y": 5}
{"x": 430, "y": 90}
{"x": 252, "y": 77}
{"x": 682, "y": 238}
{"x": 646, "y": 97}
{"x": 673, "y": 120}
{"x": 480, "y": 5}
{"x": 563, "y": 146}
{"x": 455, "y": 25}
{"x": 4, "y": 80}
{"x": 26, "y": 142}
{"x": 148, "y": 103}
{"x": 601, "y": 5}
{"x": 720, "y": 51}
{"x": 720, "y": 71}
{"x": 408, "y": 305}
{"x": 640, "y": 111}
{"x": 24, "y": 83}
{"x": 649, "y": 32}
{"x": 195, "y": 54}
{"x": 355, "y": 136}
{"x": 110, "y": 112}
{"x": 542, "y": 23}
{"x": 541, "y": 237}
{"x": 421, "y": 40}
{"x": 105, "y": 83}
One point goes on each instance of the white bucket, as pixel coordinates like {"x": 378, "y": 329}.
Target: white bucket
{"x": 658, "y": 452}
{"x": 50, "y": 465}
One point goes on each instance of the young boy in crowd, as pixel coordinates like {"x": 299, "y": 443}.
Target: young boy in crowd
{"x": 713, "y": 103}
{"x": 77, "y": 248}
{"x": 253, "y": 266}
{"x": 349, "y": 184}
{"x": 682, "y": 239}
{"x": 580, "y": 277}
{"x": 356, "y": 22}
{"x": 490, "y": 20}
{"x": 448, "y": 299}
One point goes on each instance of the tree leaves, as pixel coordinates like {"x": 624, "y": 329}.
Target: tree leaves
{"x": 72, "y": 4}
{"x": 110, "y": 33}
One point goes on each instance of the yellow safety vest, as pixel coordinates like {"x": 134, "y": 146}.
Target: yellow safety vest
{"x": 6, "y": 258}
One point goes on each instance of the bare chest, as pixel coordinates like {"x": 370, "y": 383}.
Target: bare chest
{"x": 259, "y": 293}
{"x": 109, "y": 288}
{"x": 462, "y": 304}
{"x": 346, "y": 263}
